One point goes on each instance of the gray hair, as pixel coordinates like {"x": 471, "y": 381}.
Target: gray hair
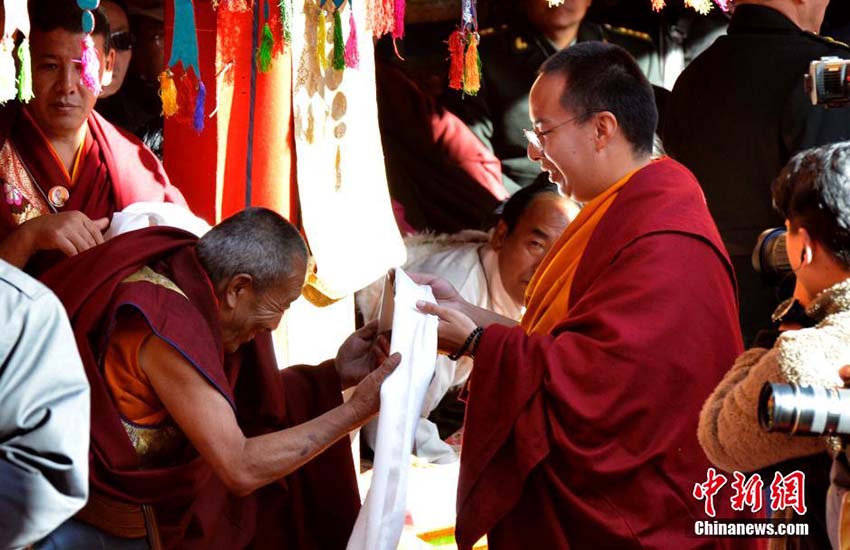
{"x": 255, "y": 241}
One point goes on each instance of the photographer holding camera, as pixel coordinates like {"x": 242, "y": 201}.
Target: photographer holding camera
{"x": 812, "y": 193}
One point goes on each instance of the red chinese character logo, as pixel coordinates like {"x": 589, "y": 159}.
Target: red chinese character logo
{"x": 706, "y": 491}
{"x": 788, "y": 491}
{"x": 747, "y": 492}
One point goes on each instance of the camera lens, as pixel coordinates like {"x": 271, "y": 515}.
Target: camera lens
{"x": 804, "y": 410}
{"x": 770, "y": 255}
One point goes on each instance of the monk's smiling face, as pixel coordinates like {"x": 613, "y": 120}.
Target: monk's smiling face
{"x": 62, "y": 103}
{"x": 245, "y": 310}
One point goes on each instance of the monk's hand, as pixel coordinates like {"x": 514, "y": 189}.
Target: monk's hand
{"x": 69, "y": 232}
{"x": 366, "y": 399}
{"x": 443, "y": 291}
{"x": 455, "y": 326}
{"x": 360, "y": 354}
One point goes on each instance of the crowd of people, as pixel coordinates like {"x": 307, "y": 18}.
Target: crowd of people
{"x": 606, "y": 339}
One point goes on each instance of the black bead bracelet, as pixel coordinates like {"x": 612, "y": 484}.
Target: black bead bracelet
{"x": 473, "y": 336}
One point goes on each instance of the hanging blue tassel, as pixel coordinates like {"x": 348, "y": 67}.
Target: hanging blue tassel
{"x": 198, "y": 119}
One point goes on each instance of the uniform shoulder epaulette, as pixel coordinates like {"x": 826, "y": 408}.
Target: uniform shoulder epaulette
{"x": 631, "y": 33}
{"x": 828, "y": 40}
{"x": 491, "y": 30}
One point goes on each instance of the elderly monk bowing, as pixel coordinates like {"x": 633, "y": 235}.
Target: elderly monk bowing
{"x": 64, "y": 168}
{"x": 581, "y": 422}
{"x": 198, "y": 440}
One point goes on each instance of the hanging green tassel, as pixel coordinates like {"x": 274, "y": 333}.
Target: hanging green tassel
{"x": 285, "y": 21}
{"x": 264, "y": 52}
{"x": 339, "y": 45}
{"x": 25, "y": 75}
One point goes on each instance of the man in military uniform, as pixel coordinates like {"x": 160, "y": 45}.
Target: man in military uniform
{"x": 510, "y": 58}
{"x": 739, "y": 112}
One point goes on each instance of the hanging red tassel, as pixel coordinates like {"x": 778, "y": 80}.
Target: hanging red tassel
{"x": 187, "y": 93}
{"x": 90, "y": 73}
{"x": 456, "y": 60}
{"x": 472, "y": 66}
{"x": 352, "y": 54}
{"x": 398, "y": 13}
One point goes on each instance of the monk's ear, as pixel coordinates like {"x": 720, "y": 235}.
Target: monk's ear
{"x": 500, "y": 233}
{"x": 606, "y": 127}
{"x": 108, "y": 67}
{"x": 237, "y": 288}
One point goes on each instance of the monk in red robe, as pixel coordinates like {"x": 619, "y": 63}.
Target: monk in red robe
{"x": 64, "y": 168}
{"x": 198, "y": 441}
{"x": 581, "y": 422}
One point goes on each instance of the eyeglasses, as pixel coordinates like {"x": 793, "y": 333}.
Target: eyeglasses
{"x": 124, "y": 40}
{"x": 535, "y": 136}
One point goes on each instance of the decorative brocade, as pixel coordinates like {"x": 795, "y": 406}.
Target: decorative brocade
{"x": 156, "y": 446}
{"x": 19, "y": 191}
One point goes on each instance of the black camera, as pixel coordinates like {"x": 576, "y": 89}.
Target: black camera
{"x": 828, "y": 82}
{"x": 770, "y": 255}
{"x": 804, "y": 410}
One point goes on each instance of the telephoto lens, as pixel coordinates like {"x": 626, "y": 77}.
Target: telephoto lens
{"x": 770, "y": 256}
{"x": 804, "y": 410}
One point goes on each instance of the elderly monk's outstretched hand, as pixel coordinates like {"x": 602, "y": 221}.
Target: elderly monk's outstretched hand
{"x": 70, "y": 232}
{"x": 360, "y": 354}
{"x": 367, "y": 395}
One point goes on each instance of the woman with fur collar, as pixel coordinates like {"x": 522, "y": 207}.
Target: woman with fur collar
{"x": 813, "y": 195}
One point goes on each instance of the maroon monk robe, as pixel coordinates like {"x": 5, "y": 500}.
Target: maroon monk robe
{"x": 115, "y": 170}
{"x": 586, "y": 437}
{"x": 313, "y": 508}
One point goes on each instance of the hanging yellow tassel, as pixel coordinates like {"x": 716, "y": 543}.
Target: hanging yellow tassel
{"x": 472, "y": 66}
{"x": 25, "y": 75}
{"x": 168, "y": 93}
{"x": 322, "y": 40}
{"x": 658, "y": 5}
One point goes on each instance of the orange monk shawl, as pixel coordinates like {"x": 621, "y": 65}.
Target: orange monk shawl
{"x": 547, "y": 297}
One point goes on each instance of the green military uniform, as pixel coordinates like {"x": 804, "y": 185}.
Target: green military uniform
{"x": 510, "y": 59}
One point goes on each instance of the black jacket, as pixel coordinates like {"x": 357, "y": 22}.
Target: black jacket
{"x": 737, "y": 114}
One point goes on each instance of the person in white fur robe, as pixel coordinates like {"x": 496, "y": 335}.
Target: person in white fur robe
{"x": 489, "y": 270}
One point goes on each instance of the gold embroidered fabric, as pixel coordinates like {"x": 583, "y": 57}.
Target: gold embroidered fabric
{"x": 148, "y": 275}
{"x": 19, "y": 191}
{"x": 156, "y": 446}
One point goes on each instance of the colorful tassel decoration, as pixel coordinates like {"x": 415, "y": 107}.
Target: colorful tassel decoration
{"x": 380, "y": 16}
{"x": 168, "y": 93}
{"x": 198, "y": 119}
{"x": 352, "y": 54}
{"x": 398, "y": 14}
{"x": 456, "y": 60}
{"x": 322, "y": 40}
{"x": 8, "y": 87}
{"x": 339, "y": 45}
{"x": 702, "y": 7}
{"x": 25, "y": 75}
{"x": 264, "y": 51}
{"x": 90, "y": 66}
{"x": 472, "y": 66}
{"x": 285, "y": 21}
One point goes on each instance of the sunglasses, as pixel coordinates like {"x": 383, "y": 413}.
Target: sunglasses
{"x": 124, "y": 40}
